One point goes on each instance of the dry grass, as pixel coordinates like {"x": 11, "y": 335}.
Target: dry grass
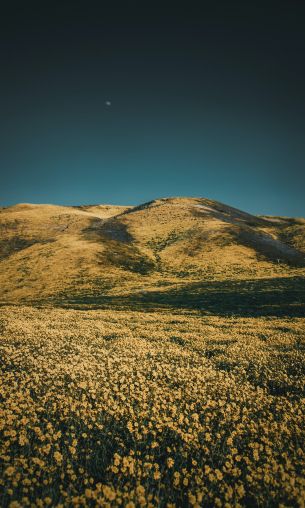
{"x": 184, "y": 388}
{"x": 48, "y": 250}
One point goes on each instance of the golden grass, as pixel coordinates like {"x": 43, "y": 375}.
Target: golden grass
{"x": 159, "y": 407}
{"x": 48, "y": 250}
{"x": 104, "y": 408}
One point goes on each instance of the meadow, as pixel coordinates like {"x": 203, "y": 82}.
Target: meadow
{"x": 168, "y": 407}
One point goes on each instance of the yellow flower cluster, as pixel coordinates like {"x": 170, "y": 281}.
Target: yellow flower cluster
{"x": 104, "y": 408}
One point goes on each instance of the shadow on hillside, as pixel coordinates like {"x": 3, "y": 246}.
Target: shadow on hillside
{"x": 11, "y": 246}
{"x": 111, "y": 229}
{"x": 264, "y": 297}
{"x": 120, "y": 249}
{"x": 243, "y": 231}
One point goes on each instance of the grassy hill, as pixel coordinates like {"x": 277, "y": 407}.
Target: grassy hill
{"x": 182, "y": 383}
{"x": 106, "y": 254}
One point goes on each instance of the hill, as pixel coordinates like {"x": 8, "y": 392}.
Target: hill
{"x": 164, "y": 248}
{"x": 151, "y": 356}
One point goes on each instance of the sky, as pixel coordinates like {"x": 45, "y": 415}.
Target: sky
{"x": 124, "y": 102}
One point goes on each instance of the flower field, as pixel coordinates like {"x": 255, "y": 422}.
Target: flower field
{"x": 158, "y": 409}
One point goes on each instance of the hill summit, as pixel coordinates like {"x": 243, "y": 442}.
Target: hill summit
{"x": 85, "y": 253}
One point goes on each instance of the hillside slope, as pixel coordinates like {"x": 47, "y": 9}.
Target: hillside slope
{"x": 54, "y": 253}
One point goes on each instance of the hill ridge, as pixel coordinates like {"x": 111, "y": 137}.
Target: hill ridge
{"x": 50, "y": 251}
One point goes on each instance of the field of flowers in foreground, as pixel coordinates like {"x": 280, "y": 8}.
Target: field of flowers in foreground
{"x": 103, "y": 408}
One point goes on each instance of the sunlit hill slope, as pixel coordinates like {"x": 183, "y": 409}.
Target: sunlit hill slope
{"x": 100, "y": 253}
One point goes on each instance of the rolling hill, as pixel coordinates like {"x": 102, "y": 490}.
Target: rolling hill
{"x": 151, "y": 356}
{"x": 88, "y": 254}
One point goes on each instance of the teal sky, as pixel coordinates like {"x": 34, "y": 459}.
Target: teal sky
{"x": 205, "y": 101}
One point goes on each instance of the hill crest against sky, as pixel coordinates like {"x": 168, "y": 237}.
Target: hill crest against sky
{"x": 89, "y": 251}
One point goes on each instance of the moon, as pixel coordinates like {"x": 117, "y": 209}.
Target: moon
{"x": 108, "y": 103}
